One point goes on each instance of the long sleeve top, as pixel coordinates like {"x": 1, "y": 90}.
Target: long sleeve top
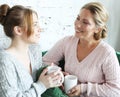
{"x": 15, "y": 80}
{"x": 98, "y": 73}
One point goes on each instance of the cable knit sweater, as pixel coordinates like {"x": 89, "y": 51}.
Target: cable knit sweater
{"x": 98, "y": 73}
{"x": 15, "y": 80}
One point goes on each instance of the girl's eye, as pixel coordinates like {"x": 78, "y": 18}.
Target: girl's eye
{"x": 35, "y": 24}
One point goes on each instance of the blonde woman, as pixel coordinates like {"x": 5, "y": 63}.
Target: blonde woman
{"x": 87, "y": 56}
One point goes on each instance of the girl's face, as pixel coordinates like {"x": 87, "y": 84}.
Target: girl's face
{"x": 35, "y": 36}
{"x": 84, "y": 25}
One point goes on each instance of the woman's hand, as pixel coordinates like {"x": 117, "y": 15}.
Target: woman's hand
{"x": 50, "y": 80}
{"x": 65, "y": 73}
{"x": 75, "y": 91}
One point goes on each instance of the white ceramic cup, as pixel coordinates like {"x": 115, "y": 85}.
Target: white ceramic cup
{"x": 54, "y": 68}
{"x": 69, "y": 82}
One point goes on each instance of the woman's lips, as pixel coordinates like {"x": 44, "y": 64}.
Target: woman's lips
{"x": 78, "y": 31}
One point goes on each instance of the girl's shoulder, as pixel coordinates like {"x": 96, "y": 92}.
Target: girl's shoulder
{"x": 4, "y": 55}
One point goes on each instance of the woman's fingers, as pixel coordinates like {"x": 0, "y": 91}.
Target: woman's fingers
{"x": 65, "y": 73}
{"x": 75, "y": 91}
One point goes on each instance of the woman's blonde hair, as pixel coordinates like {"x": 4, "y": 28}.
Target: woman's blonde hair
{"x": 100, "y": 16}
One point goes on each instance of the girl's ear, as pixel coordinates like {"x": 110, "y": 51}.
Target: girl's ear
{"x": 18, "y": 30}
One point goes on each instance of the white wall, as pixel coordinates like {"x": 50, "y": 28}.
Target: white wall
{"x": 57, "y": 19}
{"x": 113, "y": 23}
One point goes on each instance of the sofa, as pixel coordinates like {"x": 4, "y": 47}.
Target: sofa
{"x": 118, "y": 56}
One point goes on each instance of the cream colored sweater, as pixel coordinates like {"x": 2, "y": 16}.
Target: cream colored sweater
{"x": 98, "y": 73}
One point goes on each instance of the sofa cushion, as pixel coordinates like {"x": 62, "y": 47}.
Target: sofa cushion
{"x": 61, "y": 62}
{"x": 118, "y": 56}
{"x": 44, "y": 52}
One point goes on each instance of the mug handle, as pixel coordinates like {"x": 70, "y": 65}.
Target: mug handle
{"x": 62, "y": 79}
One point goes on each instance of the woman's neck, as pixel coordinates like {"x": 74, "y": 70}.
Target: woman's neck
{"x": 88, "y": 44}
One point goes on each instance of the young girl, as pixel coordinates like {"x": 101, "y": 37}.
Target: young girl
{"x": 19, "y": 62}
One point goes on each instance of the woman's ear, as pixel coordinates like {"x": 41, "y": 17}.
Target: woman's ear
{"x": 98, "y": 30}
{"x": 18, "y": 30}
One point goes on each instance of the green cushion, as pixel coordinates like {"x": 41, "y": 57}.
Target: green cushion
{"x": 61, "y": 62}
{"x": 118, "y": 56}
{"x": 52, "y": 92}
{"x": 44, "y": 52}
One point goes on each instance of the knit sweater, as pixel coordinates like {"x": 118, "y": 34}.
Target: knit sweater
{"x": 15, "y": 80}
{"x": 98, "y": 73}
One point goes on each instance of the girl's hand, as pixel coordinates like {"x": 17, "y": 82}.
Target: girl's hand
{"x": 75, "y": 91}
{"x": 50, "y": 80}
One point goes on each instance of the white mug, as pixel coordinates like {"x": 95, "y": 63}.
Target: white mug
{"x": 53, "y": 68}
{"x": 69, "y": 82}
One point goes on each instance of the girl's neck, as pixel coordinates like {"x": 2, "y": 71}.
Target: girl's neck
{"x": 19, "y": 46}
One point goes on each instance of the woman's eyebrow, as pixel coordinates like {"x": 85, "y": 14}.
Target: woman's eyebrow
{"x": 78, "y": 15}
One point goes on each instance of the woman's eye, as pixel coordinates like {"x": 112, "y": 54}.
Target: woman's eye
{"x": 78, "y": 18}
{"x": 86, "y": 23}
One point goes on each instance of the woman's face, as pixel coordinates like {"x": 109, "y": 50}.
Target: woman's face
{"x": 35, "y": 36}
{"x": 84, "y": 25}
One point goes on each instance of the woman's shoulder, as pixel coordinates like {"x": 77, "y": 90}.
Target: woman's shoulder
{"x": 69, "y": 39}
{"x": 106, "y": 48}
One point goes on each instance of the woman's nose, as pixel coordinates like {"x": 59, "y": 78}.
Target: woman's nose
{"x": 78, "y": 25}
